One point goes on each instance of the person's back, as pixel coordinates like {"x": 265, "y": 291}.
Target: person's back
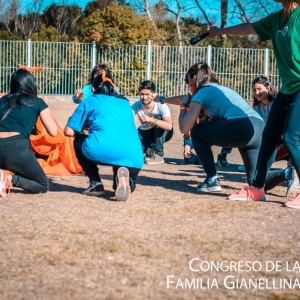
{"x": 110, "y": 119}
{"x": 223, "y": 103}
{"x": 112, "y": 140}
{"x": 22, "y": 118}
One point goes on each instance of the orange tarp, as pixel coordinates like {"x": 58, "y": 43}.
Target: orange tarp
{"x": 58, "y": 151}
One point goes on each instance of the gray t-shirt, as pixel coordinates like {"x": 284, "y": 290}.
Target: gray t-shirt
{"x": 159, "y": 109}
{"x": 221, "y": 102}
{"x": 263, "y": 110}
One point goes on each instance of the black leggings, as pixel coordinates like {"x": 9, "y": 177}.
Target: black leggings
{"x": 283, "y": 119}
{"x": 17, "y": 156}
{"x": 244, "y": 134}
{"x": 90, "y": 167}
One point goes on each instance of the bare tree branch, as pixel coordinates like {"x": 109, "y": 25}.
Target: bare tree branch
{"x": 209, "y": 22}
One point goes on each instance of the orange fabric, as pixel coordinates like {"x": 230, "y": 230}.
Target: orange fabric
{"x": 59, "y": 150}
{"x": 30, "y": 69}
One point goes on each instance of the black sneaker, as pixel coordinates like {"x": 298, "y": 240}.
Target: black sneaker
{"x": 209, "y": 186}
{"x": 95, "y": 189}
{"x": 222, "y": 161}
{"x": 149, "y": 153}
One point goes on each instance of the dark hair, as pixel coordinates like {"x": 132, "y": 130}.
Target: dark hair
{"x": 98, "y": 70}
{"x": 22, "y": 89}
{"x": 267, "y": 83}
{"x": 103, "y": 86}
{"x": 203, "y": 73}
{"x": 147, "y": 85}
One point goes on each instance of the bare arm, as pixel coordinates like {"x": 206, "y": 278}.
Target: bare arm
{"x": 241, "y": 29}
{"x": 165, "y": 123}
{"x": 48, "y": 121}
{"x": 176, "y": 100}
{"x": 188, "y": 119}
{"x": 68, "y": 131}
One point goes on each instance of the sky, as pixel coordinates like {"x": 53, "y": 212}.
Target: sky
{"x": 211, "y": 7}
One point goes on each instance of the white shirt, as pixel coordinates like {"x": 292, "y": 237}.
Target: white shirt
{"x": 159, "y": 109}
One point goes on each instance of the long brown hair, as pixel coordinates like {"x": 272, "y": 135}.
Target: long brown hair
{"x": 267, "y": 83}
{"x": 203, "y": 73}
{"x": 287, "y": 9}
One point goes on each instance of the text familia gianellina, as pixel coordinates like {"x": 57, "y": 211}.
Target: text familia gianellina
{"x": 239, "y": 275}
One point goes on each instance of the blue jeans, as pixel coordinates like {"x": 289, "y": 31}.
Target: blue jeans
{"x": 154, "y": 139}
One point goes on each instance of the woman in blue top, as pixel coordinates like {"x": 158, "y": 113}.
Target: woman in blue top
{"x": 232, "y": 124}
{"x": 282, "y": 28}
{"x": 112, "y": 140}
{"x": 86, "y": 91}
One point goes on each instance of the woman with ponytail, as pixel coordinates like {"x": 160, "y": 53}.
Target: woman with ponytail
{"x": 112, "y": 140}
{"x": 230, "y": 123}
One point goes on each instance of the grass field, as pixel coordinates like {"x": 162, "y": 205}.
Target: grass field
{"x": 160, "y": 244}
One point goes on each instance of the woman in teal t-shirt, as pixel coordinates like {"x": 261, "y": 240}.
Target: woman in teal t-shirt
{"x": 283, "y": 29}
{"x": 112, "y": 140}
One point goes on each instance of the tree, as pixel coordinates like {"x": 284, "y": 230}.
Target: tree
{"x": 62, "y": 17}
{"x": 251, "y": 10}
{"x": 116, "y": 25}
{"x": 177, "y": 11}
{"x": 100, "y": 4}
{"x": 30, "y": 21}
{"x": 205, "y": 15}
{"x": 8, "y": 14}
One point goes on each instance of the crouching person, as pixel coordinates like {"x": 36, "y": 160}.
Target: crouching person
{"x": 112, "y": 140}
{"x": 19, "y": 111}
{"x": 156, "y": 124}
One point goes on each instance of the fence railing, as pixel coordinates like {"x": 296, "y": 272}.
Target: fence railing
{"x": 66, "y": 66}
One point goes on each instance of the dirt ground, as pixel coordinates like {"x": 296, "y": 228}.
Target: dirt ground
{"x": 160, "y": 244}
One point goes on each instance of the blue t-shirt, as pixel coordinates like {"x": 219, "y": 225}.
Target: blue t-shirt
{"x": 221, "y": 102}
{"x": 113, "y": 138}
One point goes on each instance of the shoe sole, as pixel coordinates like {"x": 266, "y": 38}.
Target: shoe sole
{"x": 214, "y": 189}
{"x": 246, "y": 199}
{"x": 297, "y": 207}
{"x": 95, "y": 194}
{"x": 123, "y": 188}
{"x": 154, "y": 162}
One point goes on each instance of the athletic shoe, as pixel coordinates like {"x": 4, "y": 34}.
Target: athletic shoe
{"x": 222, "y": 161}
{"x": 248, "y": 193}
{"x": 95, "y": 189}
{"x": 5, "y": 183}
{"x": 149, "y": 153}
{"x": 155, "y": 160}
{"x": 123, "y": 187}
{"x": 294, "y": 202}
{"x": 209, "y": 186}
